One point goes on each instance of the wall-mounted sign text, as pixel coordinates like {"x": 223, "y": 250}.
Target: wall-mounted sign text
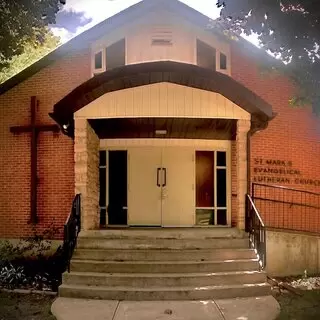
{"x": 279, "y": 172}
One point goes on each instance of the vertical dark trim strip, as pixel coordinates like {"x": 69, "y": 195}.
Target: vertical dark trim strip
{"x": 249, "y": 161}
{"x": 34, "y": 136}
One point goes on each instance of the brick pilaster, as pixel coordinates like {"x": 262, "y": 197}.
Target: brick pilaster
{"x": 243, "y": 126}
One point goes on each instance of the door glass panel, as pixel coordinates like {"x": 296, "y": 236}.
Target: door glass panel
{"x": 221, "y": 159}
{"x": 103, "y": 217}
{"x": 222, "y": 217}
{"x": 117, "y": 212}
{"x": 103, "y": 187}
{"x": 204, "y": 179}
{"x": 103, "y": 159}
{"x": 221, "y": 187}
{"x": 205, "y": 217}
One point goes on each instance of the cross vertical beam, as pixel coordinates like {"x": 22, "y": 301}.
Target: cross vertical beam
{"x": 34, "y": 177}
{"x": 34, "y": 129}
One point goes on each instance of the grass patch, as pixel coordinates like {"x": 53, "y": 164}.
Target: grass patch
{"x": 15, "y": 306}
{"x": 294, "y": 307}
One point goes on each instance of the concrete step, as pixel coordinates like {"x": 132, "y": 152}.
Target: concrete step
{"x": 164, "y": 293}
{"x": 181, "y": 244}
{"x": 160, "y": 255}
{"x": 165, "y": 233}
{"x": 148, "y": 280}
{"x": 163, "y": 266}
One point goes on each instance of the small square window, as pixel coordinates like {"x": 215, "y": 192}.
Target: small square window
{"x": 223, "y": 61}
{"x": 98, "y": 60}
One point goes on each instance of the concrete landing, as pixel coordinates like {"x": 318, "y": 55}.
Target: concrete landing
{"x": 262, "y": 308}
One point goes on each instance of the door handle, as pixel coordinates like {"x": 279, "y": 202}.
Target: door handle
{"x": 164, "y": 177}
{"x": 158, "y": 175}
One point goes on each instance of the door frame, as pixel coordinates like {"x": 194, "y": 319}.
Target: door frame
{"x": 229, "y": 184}
{"x": 196, "y": 144}
{"x": 107, "y": 186}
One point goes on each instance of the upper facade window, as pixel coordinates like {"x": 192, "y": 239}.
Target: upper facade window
{"x": 110, "y": 57}
{"x": 211, "y": 58}
{"x": 206, "y": 56}
{"x": 223, "y": 61}
{"x": 160, "y": 42}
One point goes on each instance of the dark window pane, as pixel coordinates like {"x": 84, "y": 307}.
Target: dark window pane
{"x": 204, "y": 179}
{"x": 223, "y": 61}
{"x": 222, "y": 217}
{"x": 221, "y": 188}
{"x": 221, "y": 159}
{"x": 103, "y": 158}
{"x": 206, "y": 56}
{"x": 98, "y": 60}
{"x": 103, "y": 187}
{"x": 116, "y": 55}
{"x": 204, "y": 217}
{"x": 103, "y": 217}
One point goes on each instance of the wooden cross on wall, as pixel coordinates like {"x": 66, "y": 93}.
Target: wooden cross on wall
{"x": 34, "y": 129}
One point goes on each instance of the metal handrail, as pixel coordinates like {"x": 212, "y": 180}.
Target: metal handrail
{"x": 287, "y": 208}
{"x": 257, "y": 231}
{"x": 72, "y": 228}
{"x": 284, "y": 188}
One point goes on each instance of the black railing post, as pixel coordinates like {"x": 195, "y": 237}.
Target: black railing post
{"x": 256, "y": 230}
{"x": 247, "y": 215}
{"x": 264, "y": 248}
{"x": 71, "y": 230}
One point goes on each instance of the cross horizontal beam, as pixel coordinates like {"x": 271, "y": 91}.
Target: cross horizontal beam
{"x": 34, "y": 131}
{"x": 41, "y": 128}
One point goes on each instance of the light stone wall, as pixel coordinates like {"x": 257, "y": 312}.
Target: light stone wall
{"x": 86, "y": 157}
{"x": 243, "y": 126}
{"x": 291, "y": 253}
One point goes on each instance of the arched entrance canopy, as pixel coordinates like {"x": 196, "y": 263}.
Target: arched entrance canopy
{"x": 136, "y": 75}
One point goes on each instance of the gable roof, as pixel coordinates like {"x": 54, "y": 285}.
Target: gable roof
{"x": 136, "y": 11}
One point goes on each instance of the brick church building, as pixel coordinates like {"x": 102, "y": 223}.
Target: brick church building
{"x": 156, "y": 121}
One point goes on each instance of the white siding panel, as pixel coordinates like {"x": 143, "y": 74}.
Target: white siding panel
{"x": 162, "y": 100}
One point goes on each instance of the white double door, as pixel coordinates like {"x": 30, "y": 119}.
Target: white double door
{"x": 161, "y": 186}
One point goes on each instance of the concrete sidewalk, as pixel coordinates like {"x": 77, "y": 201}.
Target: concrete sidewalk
{"x": 262, "y": 308}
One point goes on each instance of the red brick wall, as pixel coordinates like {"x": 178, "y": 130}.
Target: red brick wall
{"x": 293, "y": 136}
{"x": 55, "y": 151}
